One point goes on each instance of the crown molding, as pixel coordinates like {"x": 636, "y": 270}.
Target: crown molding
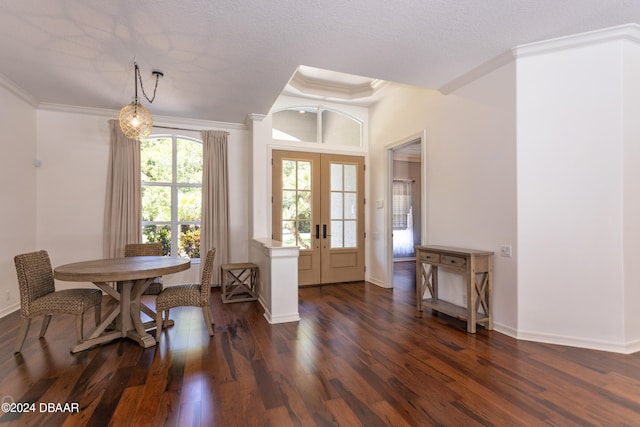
{"x": 64, "y": 108}
{"x": 476, "y": 73}
{"x": 326, "y": 88}
{"x": 252, "y": 118}
{"x": 255, "y": 117}
{"x": 629, "y": 32}
{"x": 18, "y": 91}
{"x": 196, "y": 124}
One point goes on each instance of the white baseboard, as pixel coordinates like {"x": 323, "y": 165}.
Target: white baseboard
{"x": 506, "y": 330}
{"x": 377, "y": 282}
{"x": 284, "y": 318}
{"x": 8, "y": 310}
{"x": 610, "y": 346}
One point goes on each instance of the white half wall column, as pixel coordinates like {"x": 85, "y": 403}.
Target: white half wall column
{"x": 277, "y": 279}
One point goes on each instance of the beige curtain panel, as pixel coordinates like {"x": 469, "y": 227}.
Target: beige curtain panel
{"x": 214, "y": 232}
{"x": 123, "y": 205}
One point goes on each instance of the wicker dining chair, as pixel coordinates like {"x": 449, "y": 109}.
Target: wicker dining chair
{"x": 146, "y": 249}
{"x": 38, "y": 296}
{"x": 194, "y": 295}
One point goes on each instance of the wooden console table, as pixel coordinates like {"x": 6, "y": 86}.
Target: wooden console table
{"x": 474, "y": 265}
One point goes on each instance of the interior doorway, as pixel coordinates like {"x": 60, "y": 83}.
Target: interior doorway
{"x": 406, "y": 205}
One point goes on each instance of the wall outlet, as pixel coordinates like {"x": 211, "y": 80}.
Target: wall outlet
{"x": 505, "y": 250}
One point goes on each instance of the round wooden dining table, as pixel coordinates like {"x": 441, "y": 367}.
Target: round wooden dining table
{"x": 132, "y": 275}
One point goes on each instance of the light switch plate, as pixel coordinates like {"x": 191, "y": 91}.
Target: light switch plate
{"x": 505, "y": 250}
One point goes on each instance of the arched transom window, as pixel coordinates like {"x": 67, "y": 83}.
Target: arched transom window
{"x": 317, "y": 125}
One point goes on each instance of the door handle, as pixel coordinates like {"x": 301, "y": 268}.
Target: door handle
{"x": 317, "y": 231}
{"x": 324, "y": 231}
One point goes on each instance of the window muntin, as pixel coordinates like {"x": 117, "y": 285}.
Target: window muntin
{"x": 171, "y": 175}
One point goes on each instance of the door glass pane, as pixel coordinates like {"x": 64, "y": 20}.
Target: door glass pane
{"x": 350, "y": 230}
{"x": 350, "y": 180}
{"x": 304, "y": 234}
{"x": 336, "y": 234}
{"x": 288, "y": 174}
{"x": 157, "y": 203}
{"x": 304, "y": 175}
{"x": 289, "y": 208}
{"x": 336, "y": 177}
{"x": 288, "y": 233}
{"x": 304, "y": 205}
{"x": 336, "y": 205}
{"x": 350, "y": 205}
{"x": 296, "y": 233}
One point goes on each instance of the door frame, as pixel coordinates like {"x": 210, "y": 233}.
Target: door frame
{"x": 318, "y": 149}
{"x": 388, "y": 218}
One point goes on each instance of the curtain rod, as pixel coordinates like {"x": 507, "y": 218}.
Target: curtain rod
{"x": 174, "y": 128}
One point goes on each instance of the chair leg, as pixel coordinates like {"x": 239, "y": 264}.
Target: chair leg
{"x": 45, "y": 324}
{"x": 206, "y": 312}
{"x": 22, "y": 335}
{"x": 79, "y": 327}
{"x": 158, "y": 324}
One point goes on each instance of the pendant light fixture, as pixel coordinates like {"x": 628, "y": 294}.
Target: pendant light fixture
{"x": 136, "y": 121}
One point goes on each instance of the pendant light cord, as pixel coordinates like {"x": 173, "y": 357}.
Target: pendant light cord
{"x": 157, "y": 74}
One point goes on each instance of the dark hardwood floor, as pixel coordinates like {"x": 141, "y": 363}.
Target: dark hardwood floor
{"x": 359, "y": 357}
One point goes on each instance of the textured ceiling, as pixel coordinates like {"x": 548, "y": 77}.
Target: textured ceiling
{"x": 225, "y": 59}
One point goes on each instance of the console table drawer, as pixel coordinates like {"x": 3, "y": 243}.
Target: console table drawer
{"x": 453, "y": 261}
{"x": 429, "y": 257}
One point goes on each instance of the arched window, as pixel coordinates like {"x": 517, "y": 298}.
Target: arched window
{"x": 171, "y": 169}
{"x": 317, "y": 125}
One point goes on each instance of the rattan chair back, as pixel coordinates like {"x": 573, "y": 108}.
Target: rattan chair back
{"x": 35, "y": 278}
{"x": 143, "y": 249}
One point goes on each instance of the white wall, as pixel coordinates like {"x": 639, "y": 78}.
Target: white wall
{"x": 73, "y": 148}
{"x": 631, "y": 181}
{"x": 578, "y": 188}
{"x": 17, "y": 191}
{"x": 470, "y": 175}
